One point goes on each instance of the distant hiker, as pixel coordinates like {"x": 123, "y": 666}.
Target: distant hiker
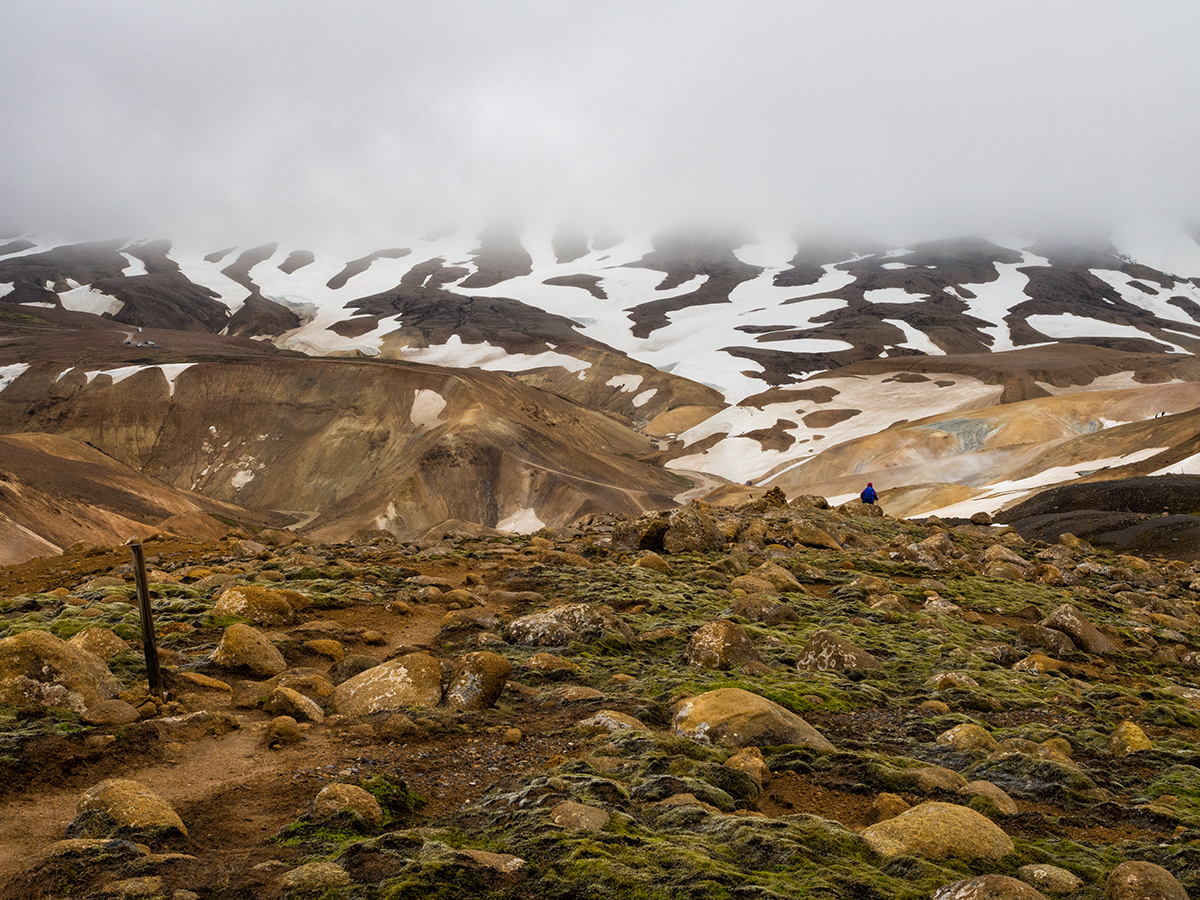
{"x": 868, "y": 495}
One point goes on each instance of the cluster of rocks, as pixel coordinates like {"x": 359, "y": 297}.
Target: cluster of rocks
{"x": 780, "y": 596}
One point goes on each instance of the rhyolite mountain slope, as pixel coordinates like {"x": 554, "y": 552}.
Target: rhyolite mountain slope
{"x": 950, "y": 373}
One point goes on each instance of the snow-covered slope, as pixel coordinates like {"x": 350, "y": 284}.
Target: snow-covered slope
{"x": 747, "y": 359}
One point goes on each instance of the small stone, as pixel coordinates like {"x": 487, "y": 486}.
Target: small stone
{"x": 512, "y": 736}
{"x": 315, "y": 876}
{"x": 110, "y": 712}
{"x": 326, "y": 647}
{"x": 968, "y": 736}
{"x": 284, "y": 701}
{"x": 396, "y": 727}
{"x": 1004, "y": 803}
{"x": 578, "y": 817}
{"x": 887, "y": 806}
{"x": 611, "y": 720}
{"x": 1049, "y": 879}
{"x": 282, "y": 731}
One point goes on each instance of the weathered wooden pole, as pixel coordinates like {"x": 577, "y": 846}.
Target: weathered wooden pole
{"x": 149, "y": 645}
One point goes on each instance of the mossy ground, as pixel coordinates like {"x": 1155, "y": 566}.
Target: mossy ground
{"x": 1086, "y": 816}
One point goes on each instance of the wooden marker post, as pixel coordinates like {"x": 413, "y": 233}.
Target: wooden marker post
{"x": 149, "y": 645}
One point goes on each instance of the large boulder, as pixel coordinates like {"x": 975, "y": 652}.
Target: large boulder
{"x": 731, "y": 717}
{"x": 38, "y": 669}
{"x": 646, "y": 532}
{"x": 692, "y": 530}
{"x": 103, "y": 642}
{"x": 1136, "y": 880}
{"x": 245, "y": 649}
{"x": 988, "y": 887}
{"x": 828, "y": 652}
{"x": 478, "y": 680}
{"x": 120, "y": 808}
{"x": 564, "y": 624}
{"x": 260, "y": 605}
{"x": 409, "y": 681}
{"x": 1076, "y": 626}
{"x": 721, "y": 644}
{"x": 936, "y": 830}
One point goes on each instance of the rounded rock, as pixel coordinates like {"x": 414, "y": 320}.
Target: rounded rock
{"x": 335, "y": 799}
{"x": 245, "y": 649}
{"x": 1142, "y": 881}
{"x": 936, "y": 830}
{"x": 120, "y": 807}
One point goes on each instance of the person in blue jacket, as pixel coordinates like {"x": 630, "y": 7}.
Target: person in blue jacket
{"x": 868, "y": 495}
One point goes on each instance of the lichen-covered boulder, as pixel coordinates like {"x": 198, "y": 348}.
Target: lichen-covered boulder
{"x": 104, "y": 642}
{"x": 121, "y": 808}
{"x": 692, "y": 529}
{"x": 1049, "y": 879}
{"x": 564, "y": 624}
{"x": 478, "y": 680}
{"x": 315, "y": 876}
{"x": 988, "y": 887}
{"x": 245, "y": 649}
{"x": 284, "y": 701}
{"x": 612, "y": 720}
{"x": 721, "y": 644}
{"x": 1004, "y": 804}
{"x": 936, "y": 830}
{"x": 749, "y": 760}
{"x": 968, "y": 736}
{"x": 646, "y": 532}
{"x": 1128, "y": 738}
{"x": 260, "y": 605}
{"x": 1076, "y": 626}
{"x": 829, "y": 652}
{"x": 732, "y": 717}
{"x": 409, "y": 681}
{"x": 777, "y": 576}
{"x": 1135, "y": 880}
{"x": 337, "y": 799}
{"x": 39, "y": 669}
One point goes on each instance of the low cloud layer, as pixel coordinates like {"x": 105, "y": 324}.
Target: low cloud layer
{"x": 316, "y": 121}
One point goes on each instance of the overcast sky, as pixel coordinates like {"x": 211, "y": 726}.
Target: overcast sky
{"x": 301, "y": 121}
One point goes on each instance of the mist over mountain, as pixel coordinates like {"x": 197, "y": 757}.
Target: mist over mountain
{"x": 345, "y": 127}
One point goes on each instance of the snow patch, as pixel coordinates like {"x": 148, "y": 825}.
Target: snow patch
{"x": 1002, "y": 493}
{"x": 523, "y": 521}
{"x": 241, "y": 479}
{"x": 644, "y": 397}
{"x": 488, "y": 356}
{"x": 88, "y": 300}
{"x": 1189, "y": 466}
{"x": 136, "y": 266}
{"x": 1069, "y": 325}
{"x": 625, "y": 382}
{"x": 427, "y": 408}
{"x": 9, "y": 374}
{"x": 915, "y": 338}
{"x": 6, "y": 289}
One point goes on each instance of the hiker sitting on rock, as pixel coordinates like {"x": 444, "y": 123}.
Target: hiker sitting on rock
{"x": 868, "y": 495}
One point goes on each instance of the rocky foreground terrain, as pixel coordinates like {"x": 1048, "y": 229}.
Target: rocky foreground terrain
{"x": 765, "y": 700}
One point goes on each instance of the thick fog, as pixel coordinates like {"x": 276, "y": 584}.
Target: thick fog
{"x": 316, "y": 121}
